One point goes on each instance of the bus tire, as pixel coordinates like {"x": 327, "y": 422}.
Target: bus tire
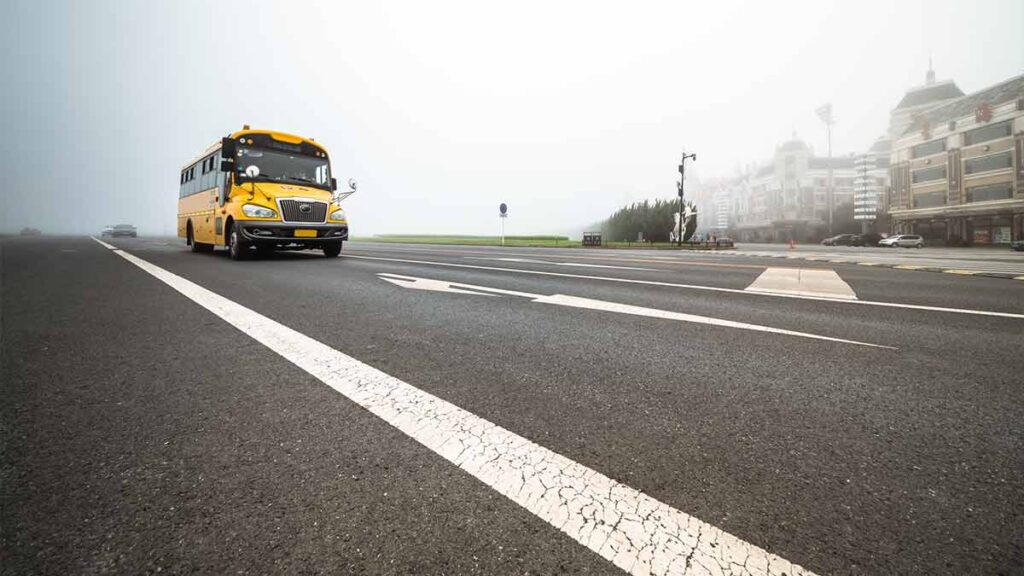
{"x": 191, "y": 239}
{"x": 237, "y": 249}
{"x": 332, "y": 249}
{"x": 264, "y": 250}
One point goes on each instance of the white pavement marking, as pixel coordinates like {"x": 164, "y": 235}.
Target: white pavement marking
{"x": 430, "y": 285}
{"x": 576, "y": 264}
{"x": 819, "y": 282}
{"x": 626, "y": 527}
{"x": 604, "y": 306}
{"x": 695, "y": 287}
{"x": 104, "y": 244}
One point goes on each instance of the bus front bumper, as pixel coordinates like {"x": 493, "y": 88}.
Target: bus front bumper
{"x": 284, "y": 233}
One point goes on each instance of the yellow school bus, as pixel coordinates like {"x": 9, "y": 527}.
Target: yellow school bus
{"x": 262, "y": 190}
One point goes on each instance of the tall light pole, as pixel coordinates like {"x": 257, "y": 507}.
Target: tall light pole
{"x": 825, "y": 113}
{"x": 682, "y": 178}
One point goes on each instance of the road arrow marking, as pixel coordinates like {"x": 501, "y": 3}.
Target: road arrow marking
{"x": 430, "y": 285}
{"x": 604, "y": 306}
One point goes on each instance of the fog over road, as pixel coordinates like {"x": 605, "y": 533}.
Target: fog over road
{"x": 452, "y": 409}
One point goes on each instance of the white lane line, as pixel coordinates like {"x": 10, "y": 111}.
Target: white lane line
{"x": 626, "y": 527}
{"x": 604, "y": 306}
{"x": 104, "y": 244}
{"x": 575, "y": 264}
{"x": 695, "y": 287}
{"x": 819, "y": 282}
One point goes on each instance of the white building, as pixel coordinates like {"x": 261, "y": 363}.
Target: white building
{"x": 787, "y": 197}
{"x": 870, "y": 182}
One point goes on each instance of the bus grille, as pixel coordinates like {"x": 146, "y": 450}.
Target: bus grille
{"x": 303, "y": 211}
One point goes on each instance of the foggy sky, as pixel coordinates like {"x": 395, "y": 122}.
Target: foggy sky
{"x": 443, "y": 110}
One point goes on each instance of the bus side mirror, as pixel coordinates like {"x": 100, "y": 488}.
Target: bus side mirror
{"x": 227, "y": 148}
{"x": 227, "y": 165}
{"x": 334, "y": 183}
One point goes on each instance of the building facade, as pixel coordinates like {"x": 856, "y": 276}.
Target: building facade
{"x": 787, "y": 198}
{"x": 957, "y": 168}
{"x": 870, "y": 184}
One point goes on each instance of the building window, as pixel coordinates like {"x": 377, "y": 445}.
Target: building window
{"x": 995, "y": 230}
{"x": 930, "y": 200}
{"x": 986, "y": 163}
{"x": 986, "y": 133}
{"x": 928, "y": 148}
{"x": 990, "y": 192}
{"x": 928, "y": 174}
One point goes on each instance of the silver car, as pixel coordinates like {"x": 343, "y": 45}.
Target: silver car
{"x": 902, "y": 240}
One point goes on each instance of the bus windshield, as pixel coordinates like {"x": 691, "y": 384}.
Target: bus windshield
{"x": 273, "y": 166}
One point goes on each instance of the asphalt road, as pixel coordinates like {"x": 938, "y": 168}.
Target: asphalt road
{"x": 144, "y": 432}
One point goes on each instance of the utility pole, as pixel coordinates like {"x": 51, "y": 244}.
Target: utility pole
{"x": 825, "y": 113}
{"x": 679, "y": 185}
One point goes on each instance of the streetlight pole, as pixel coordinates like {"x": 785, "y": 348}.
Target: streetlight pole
{"x": 825, "y": 113}
{"x": 682, "y": 178}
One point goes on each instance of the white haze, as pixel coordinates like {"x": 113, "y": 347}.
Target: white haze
{"x": 443, "y": 110}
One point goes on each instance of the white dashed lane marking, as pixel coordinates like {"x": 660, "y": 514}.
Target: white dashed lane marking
{"x": 628, "y": 528}
{"x": 570, "y": 264}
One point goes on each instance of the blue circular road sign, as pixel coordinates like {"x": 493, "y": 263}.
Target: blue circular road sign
{"x": 503, "y": 208}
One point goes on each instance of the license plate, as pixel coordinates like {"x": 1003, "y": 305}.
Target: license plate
{"x": 300, "y": 233}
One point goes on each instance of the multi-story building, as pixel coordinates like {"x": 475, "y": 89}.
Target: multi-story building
{"x": 787, "y": 198}
{"x": 869, "y": 184}
{"x": 957, "y": 168}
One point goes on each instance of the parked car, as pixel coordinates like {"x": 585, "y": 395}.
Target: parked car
{"x": 1017, "y": 245}
{"x": 120, "y": 230}
{"x": 840, "y": 240}
{"x": 869, "y": 239}
{"x": 903, "y": 241}
{"x": 31, "y": 232}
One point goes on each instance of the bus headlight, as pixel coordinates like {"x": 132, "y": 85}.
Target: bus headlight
{"x": 338, "y": 214}
{"x": 256, "y": 211}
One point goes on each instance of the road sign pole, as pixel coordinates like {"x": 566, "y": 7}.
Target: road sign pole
{"x": 502, "y": 214}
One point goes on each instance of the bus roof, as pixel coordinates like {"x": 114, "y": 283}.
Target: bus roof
{"x": 282, "y": 136}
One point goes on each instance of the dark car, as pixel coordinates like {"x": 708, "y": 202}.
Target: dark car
{"x": 1017, "y": 245}
{"x": 870, "y": 239}
{"x": 120, "y": 230}
{"x": 840, "y": 240}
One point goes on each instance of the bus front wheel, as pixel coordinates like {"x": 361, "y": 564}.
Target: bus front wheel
{"x": 237, "y": 249}
{"x": 332, "y": 249}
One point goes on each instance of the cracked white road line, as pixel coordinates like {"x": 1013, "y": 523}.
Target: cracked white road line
{"x": 601, "y": 305}
{"x": 693, "y": 287}
{"x": 628, "y": 528}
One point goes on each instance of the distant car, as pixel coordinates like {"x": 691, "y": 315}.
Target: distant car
{"x": 902, "y": 241}
{"x": 840, "y": 240}
{"x": 31, "y": 232}
{"x": 121, "y": 230}
{"x": 869, "y": 239}
{"x": 1017, "y": 245}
